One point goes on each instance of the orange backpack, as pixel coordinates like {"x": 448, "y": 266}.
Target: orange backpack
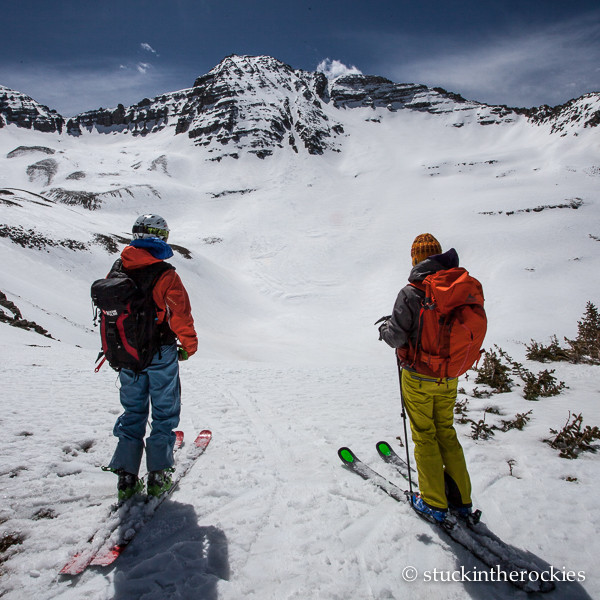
{"x": 452, "y": 325}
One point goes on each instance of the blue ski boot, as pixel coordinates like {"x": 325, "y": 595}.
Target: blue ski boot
{"x": 437, "y": 515}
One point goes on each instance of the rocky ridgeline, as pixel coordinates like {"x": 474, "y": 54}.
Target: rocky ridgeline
{"x": 354, "y": 91}
{"x": 256, "y": 104}
{"x": 21, "y": 110}
{"x": 576, "y": 114}
{"x": 147, "y": 116}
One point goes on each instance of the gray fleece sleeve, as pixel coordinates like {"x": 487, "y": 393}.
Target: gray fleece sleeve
{"x": 403, "y": 325}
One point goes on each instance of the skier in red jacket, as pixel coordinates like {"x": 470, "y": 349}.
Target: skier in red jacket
{"x": 158, "y": 385}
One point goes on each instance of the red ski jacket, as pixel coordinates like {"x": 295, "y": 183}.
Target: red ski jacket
{"x": 170, "y": 297}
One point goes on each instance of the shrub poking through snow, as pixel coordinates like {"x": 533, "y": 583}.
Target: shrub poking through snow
{"x": 551, "y": 353}
{"x": 477, "y": 393}
{"x": 461, "y": 409}
{"x": 541, "y": 385}
{"x": 573, "y": 439}
{"x": 480, "y": 430}
{"x": 520, "y": 420}
{"x": 585, "y": 348}
{"x": 493, "y": 373}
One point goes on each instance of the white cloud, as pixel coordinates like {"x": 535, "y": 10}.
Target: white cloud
{"x": 148, "y": 48}
{"x": 332, "y": 69}
{"x": 143, "y": 67}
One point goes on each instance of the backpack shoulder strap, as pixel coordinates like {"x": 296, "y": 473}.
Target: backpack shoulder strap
{"x": 146, "y": 277}
{"x": 117, "y": 269}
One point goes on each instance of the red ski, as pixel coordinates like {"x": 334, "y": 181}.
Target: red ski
{"x": 107, "y": 544}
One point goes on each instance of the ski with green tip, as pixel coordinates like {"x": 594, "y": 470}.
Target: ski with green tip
{"x": 493, "y": 552}
{"x": 388, "y": 455}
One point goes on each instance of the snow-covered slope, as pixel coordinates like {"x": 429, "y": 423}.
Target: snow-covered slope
{"x": 308, "y": 240}
{"x": 289, "y": 260}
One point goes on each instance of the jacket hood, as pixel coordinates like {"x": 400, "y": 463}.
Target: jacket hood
{"x": 135, "y": 258}
{"x": 433, "y": 264}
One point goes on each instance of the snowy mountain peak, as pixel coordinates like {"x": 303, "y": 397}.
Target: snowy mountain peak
{"x": 245, "y": 103}
{"x": 21, "y": 110}
{"x": 258, "y": 103}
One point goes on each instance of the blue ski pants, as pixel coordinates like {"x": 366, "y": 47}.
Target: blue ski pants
{"x": 158, "y": 386}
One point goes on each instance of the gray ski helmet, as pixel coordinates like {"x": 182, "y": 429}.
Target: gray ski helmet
{"x": 149, "y": 226}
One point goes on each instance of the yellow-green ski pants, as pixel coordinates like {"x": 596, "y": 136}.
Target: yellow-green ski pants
{"x": 430, "y": 407}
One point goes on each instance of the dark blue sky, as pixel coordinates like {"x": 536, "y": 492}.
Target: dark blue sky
{"x": 75, "y": 55}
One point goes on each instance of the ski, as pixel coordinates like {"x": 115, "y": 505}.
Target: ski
{"x": 478, "y": 529}
{"x": 126, "y": 519}
{"x": 487, "y": 547}
{"x": 388, "y": 454}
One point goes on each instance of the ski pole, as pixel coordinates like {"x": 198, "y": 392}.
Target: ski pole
{"x": 405, "y": 432}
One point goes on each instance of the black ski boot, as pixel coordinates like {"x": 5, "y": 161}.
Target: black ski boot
{"x": 160, "y": 482}
{"x": 128, "y": 485}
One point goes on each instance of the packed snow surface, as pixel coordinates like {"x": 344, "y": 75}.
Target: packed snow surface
{"x": 292, "y": 261}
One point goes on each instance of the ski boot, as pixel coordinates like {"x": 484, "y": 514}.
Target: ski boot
{"x": 466, "y": 513}
{"x": 433, "y": 515}
{"x": 160, "y": 482}
{"x": 128, "y": 485}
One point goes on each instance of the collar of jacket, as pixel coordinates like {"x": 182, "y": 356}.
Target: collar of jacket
{"x": 433, "y": 264}
{"x": 136, "y": 258}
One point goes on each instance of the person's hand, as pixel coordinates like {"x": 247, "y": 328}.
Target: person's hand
{"x": 383, "y": 321}
{"x": 182, "y": 353}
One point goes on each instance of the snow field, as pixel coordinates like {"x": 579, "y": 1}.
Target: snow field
{"x": 313, "y": 250}
{"x": 268, "y": 511}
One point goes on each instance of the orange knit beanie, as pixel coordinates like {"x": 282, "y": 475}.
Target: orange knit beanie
{"x": 425, "y": 245}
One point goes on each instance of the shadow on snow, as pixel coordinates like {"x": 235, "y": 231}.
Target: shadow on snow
{"x": 173, "y": 557}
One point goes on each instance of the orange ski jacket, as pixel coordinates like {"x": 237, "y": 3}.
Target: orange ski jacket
{"x": 170, "y": 297}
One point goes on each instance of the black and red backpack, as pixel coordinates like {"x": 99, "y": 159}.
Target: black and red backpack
{"x": 129, "y": 328}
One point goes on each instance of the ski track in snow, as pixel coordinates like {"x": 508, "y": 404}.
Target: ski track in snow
{"x": 267, "y": 511}
{"x": 289, "y": 368}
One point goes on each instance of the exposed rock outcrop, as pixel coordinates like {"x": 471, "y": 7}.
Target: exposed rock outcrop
{"x": 21, "y": 110}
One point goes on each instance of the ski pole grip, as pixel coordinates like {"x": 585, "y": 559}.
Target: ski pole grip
{"x": 383, "y": 319}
